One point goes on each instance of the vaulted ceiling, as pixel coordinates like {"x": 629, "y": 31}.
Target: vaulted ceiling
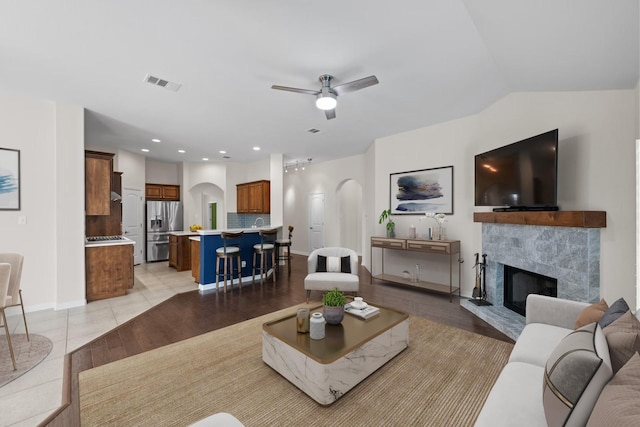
{"x": 435, "y": 60}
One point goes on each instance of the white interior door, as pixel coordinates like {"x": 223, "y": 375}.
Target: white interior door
{"x": 132, "y": 220}
{"x": 316, "y": 221}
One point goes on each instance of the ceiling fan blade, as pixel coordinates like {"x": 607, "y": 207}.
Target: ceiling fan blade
{"x": 331, "y": 114}
{"x": 293, "y": 89}
{"x": 355, "y": 85}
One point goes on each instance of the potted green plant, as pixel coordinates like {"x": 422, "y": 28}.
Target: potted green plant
{"x": 333, "y": 310}
{"x": 386, "y": 214}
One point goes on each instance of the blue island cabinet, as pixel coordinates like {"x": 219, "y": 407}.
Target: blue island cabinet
{"x": 208, "y": 245}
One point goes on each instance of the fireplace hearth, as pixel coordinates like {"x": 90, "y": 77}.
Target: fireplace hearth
{"x": 569, "y": 254}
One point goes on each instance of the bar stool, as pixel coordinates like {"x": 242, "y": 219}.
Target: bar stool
{"x": 266, "y": 246}
{"x": 280, "y": 255}
{"x": 230, "y": 249}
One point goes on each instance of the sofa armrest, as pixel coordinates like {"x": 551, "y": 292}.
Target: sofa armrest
{"x": 553, "y": 311}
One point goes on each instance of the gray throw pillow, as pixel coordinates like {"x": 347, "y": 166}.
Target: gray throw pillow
{"x": 614, "y": 311}
{"x": 623, "y": 337}
{"x": 575, "y": 373}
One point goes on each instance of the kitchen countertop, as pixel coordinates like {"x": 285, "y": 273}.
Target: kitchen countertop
{"x": 182, "y": 233}
{"x": 237, "y": 230}
{"x": 123, "y": 241}
{"x": 196, "y": 238}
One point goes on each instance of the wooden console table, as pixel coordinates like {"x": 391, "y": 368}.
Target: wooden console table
{"x": 444, "y": 247}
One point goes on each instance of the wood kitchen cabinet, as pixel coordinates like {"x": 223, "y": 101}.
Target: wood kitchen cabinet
{"x": 109, "y": 271}
{"x": 254, "y": 197}
{"x": 108, "y": 225}
{"x": 180, "y": 252}
{"x": 195, "y": 260}
{"x": 162, "y": 192}
{"x": 98, "y": 168}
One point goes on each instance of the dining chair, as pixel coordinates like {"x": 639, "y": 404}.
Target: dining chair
{"x": 15, "y": 293}
{"x": 5, "y": 276}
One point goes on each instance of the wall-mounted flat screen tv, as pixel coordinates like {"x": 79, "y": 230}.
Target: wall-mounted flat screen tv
{"x": 519, "y": 176}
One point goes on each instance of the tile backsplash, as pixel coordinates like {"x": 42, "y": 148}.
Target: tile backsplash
{"x": 236, "y": 220}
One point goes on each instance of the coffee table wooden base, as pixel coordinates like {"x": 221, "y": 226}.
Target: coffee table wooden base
{"x": 327, "y": 382}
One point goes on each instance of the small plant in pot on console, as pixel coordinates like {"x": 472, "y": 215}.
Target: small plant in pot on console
{"x": 333, "y": 310}
{"x": 386, "y": 214}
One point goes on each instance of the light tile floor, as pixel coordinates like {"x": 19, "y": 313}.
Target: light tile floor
{"x": 29, "y": 399}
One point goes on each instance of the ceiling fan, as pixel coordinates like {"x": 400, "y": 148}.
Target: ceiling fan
{"x": 326, "y": 97}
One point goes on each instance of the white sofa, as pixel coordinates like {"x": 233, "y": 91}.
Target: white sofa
{"x": 516, "y": 398}
{"x": 327, "y": 280}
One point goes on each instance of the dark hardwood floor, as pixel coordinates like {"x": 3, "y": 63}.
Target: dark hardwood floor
{"x": 194, "y": 313}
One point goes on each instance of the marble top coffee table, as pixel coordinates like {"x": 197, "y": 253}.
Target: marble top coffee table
{"x": 326, "y": 369}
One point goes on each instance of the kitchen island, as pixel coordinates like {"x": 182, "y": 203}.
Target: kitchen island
{"x": 108, "y": 266}
{"x": 180, "y": 249}
{"x": 210, "y": 240}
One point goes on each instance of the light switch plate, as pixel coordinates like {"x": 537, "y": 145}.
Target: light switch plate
{"x": 22, "y": 220}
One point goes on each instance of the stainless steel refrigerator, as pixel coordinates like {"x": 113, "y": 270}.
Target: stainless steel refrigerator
{"x": 162, "y": 217}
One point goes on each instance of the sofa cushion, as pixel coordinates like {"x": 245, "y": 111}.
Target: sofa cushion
{"x": 623, "y": 338}
{"x": 591, "y": 314}
{"x": 577, "y": 370}
{"x": 618, "y": 402}
{"x": 328, "y": 281}
{"x": 515, "y": 398}
{"x": 536, "y": 342}
{"x": 614, "y": 311}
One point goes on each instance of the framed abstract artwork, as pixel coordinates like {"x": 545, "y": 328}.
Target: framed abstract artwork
{"x": 420, "y": 191}
{"x": 9, "y": 179}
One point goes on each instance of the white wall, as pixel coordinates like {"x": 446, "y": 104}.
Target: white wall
{"x": 50, "y": 138}
{"x": 326, "y": 178}
{"x": 596, "y": 168}
{"x": 133, "y": 168}
{"x": 162, "y": 173}
{"x": 69, "y": 207}
{"x": 276, "y": 178}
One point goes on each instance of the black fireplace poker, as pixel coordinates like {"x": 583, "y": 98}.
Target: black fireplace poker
{"x": 481, "y": 298}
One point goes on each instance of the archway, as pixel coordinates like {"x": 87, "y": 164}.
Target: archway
{"x": 206, "y": 199}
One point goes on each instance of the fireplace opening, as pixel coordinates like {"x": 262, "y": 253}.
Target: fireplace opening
{"x": 519, "y": 283}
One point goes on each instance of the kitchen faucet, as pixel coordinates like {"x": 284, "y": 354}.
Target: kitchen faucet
{"x": 255, "y": 223}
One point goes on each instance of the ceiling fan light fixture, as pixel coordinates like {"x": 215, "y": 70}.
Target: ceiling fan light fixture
{"x": 326, "y": 101}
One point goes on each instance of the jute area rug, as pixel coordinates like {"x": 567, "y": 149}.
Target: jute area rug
{"x": 442, "y": 379}
{"x": 27, "y": 353}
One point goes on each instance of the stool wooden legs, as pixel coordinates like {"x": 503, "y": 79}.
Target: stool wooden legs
{"x": 262, "y": 269}
{"x": 283, "y": 257}
{"x": 227, "y": 270}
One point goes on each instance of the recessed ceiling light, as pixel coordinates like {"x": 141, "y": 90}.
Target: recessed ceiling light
{"x": 155, "y": 140}
{"x": 146, "y": 150}
{"x": 181, "y": 151}
{"x": 222, "y": 152}
{"x": 256, "y": 148}
{"x": 205, "y": 159}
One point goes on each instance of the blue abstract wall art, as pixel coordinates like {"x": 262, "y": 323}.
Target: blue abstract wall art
{"x": 9, "y": 179}
{"x": 420, "y": 191}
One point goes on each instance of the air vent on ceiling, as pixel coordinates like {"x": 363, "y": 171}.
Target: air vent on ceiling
{"x": 312, "y": 130}
{"x": 157, "y": 81}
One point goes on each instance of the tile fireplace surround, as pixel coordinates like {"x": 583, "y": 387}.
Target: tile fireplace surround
{"x": 569, "y": 254}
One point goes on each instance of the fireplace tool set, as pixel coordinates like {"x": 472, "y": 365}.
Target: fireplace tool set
{"x": 479, "y": 295}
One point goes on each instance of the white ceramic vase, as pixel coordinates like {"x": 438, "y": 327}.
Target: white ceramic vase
{"x": 316, "y": 326}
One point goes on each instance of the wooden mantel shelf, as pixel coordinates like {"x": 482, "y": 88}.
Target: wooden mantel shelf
{"x": 583, "y": 219}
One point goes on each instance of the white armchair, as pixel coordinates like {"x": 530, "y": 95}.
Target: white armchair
{"x": 330, "y": 268}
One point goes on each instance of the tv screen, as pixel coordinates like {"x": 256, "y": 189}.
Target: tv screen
{"x": 519, "y": 175}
